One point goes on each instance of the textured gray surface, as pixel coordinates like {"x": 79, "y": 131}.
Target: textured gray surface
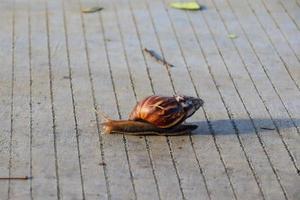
{"x": 59, "y": 65}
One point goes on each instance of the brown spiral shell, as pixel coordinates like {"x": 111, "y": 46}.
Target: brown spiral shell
{"x": 161, "y": 111}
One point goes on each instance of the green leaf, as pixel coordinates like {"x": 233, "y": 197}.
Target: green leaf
{"x": 232, "y": 36}
{"x": 91, "y": 9}
{"x": 186, "y": 5}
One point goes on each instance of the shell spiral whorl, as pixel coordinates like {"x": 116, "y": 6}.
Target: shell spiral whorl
{"x": 165, "y": 112}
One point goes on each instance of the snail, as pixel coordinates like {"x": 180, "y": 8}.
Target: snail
{"x": 157, "y": 115}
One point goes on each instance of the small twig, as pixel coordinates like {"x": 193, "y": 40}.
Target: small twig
{"x": 158, "y": 58}
{"x": 16, "y": 178}
{"x": 267, "y": 128}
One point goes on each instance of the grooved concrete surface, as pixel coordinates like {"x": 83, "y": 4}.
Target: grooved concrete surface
{"x": 59, "y": 65}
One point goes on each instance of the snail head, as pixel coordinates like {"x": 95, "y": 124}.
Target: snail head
{"x": 189, "y": 104}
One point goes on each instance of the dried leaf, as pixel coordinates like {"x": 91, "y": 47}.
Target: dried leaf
{"x": 186, "y": 5}
{"x": 91, "y": 9}
{"x": 232, "y": 36}
{"x": 158, "y": 58}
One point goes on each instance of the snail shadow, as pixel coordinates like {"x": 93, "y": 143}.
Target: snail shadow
{"x": 244, "y": 126}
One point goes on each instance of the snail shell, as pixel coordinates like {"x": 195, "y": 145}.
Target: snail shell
{"x": 165, "y": 112}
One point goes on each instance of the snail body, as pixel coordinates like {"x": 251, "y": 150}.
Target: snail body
{"x": 159, "y": 115}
